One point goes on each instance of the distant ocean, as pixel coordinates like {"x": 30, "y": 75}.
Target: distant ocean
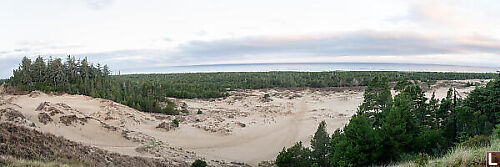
{"x": 316, "y": 67}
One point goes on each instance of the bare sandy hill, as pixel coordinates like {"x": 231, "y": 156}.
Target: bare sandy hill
{"x": 242, "y": 129}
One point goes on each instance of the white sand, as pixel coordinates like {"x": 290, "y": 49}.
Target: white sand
{"x": 269, "y": 125}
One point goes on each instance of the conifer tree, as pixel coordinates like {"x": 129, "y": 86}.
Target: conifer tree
{"x": 320, "y": 145}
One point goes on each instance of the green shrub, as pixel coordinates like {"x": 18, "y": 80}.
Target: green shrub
{"x": 422, "y": 159}
{"x": 266, "y": 95}
{"x": 175, "y": 122}
{"x": 406, "y": 157}
{"x": 199, "y": 112}
{"x": 199, "y": 163}
{"x": 184, "y": 109}
{"x": 496, "y": 132}
{"x": 470, "y": 84}
{"x": 477, "y": 141}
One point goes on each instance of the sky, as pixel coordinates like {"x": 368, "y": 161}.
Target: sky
{"x": 132, "y": 35}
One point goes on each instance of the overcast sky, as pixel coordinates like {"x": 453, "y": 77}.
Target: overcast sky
{"x": 132, "y": 34}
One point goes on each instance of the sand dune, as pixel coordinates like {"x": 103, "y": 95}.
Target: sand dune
{"x": 244, "y": 127}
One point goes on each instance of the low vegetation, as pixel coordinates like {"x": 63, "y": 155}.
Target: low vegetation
{"x": 199, "y": 163}
{"x": 14, "y": 162}
{"x": 408, "y": 127}
{"x": 30, "y": 147}
{"x": 466, "y": 156}
{"x": 175, "y": 123}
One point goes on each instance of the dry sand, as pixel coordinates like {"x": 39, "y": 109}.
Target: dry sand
{"x": 244, "y": 127}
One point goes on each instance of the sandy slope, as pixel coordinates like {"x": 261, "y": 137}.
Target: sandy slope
{"x": 244, "y": 127}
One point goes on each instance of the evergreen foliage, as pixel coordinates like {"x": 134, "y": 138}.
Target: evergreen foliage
{"x": 295, "y": 156}
{"x": 210, "y": 85}
{"x": 320, "y": 146}
{"x": 409, "y": 124}
{"x": 81, "y": 77}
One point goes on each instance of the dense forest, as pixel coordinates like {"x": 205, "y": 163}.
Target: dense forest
{"x": 387, "y": 129}
{"x": 210, "y": 85}
{"x": 81, "y": 77}
{"x": 145, "y": 92}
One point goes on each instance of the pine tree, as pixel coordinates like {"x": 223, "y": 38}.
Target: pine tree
{"x": 25, "y": 71}
{"x": 38, "y": 70}
{"x": 420, "y": 107}
{"x": 433, "y": 110}
{"x": 295, "y": 156}
{"x": 357, "y": 146}
{"x": 400, "y": 128}
{"x": 377, "y": 98}
{"x": 320, "y": 145}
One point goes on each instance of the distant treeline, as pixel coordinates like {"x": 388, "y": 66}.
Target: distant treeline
{"x": 408, "y": 127}
{"x": 81, "y": 77}
{"x": 144, "y": 92}
{"x": 210, "y": 85}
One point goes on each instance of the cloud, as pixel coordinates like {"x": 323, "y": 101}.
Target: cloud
{"x": 167, "y": 39}
{"x": 360, "y": 46}
{"x": 8, "y": 64}
{"x": 351, "y": 44}
{"x": 440, "y": 14}
{"x": 98, "y": 4}
{"x": 202, "y": 33}
{"x": 436, "y": 13}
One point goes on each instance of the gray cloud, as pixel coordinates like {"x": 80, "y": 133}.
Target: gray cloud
{"x": 8, "y": 64}
{"x": 22, "y": 50}
{"x": 304, "y": 47}
{"x": 167, "y": 39}
{"x": 351, "y": 44}
{"x": 363, "y": 43}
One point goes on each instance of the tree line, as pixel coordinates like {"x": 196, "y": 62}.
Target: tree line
{"x": 82, "y": 77}
{"x": 213, "y": 85}
{"x": 148, "y": 92}
{"x": 387, "y": 129}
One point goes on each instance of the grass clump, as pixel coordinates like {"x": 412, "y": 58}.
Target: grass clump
{"x": 461, "y": 155}
{"x": 175, "y": 122}
{"x": 199, "y": 163}
{"x": 15, "y": 162}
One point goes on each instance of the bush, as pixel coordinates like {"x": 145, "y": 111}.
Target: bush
{"x": 199, "y": 163}
{"x": 296, "y": 155}
{"x": 422, "y": 159}
{"x": 496, "y": 132}
{"x": 266, "y": 95}
{"x": 184, "y": 107}
{"x": 175, "y": 122}
{"x": 199, "y": 112}
{"x": 468, "y": 84}
{"x": 477, "y": 141}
